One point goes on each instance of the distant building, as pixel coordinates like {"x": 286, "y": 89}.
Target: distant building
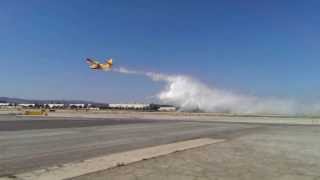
{"x": 72, "y": 106}
{"x": 27, "y": 105}
{"x": 53, "y": 106}
{"x": 167, "y": 109}
{"x": 94, "y": 108}
{"x": 129, "y": 106}
{"x": 4, "y": 104}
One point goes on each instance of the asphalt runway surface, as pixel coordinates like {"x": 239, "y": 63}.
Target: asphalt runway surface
{"x": 271, "y": 153}
{"x": 27, "y": 124}
{"x": 33, "y": 143}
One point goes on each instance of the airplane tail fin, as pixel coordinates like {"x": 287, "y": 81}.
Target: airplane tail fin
{"x": 110, "y": 62}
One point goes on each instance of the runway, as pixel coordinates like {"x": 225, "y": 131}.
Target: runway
{"x": 31, "y": 143}
{"x": 50, "y": 123}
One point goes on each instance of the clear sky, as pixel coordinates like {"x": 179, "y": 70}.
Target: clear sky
{"x": 264, "y": 48}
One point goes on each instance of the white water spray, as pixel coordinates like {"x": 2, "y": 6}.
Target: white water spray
{"x": 189, "y": 95}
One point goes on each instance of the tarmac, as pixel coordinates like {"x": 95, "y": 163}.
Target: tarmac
{"x": 32, "y": 143}
{"x": 252, "y": 149}
{"x": 279, "y": 153}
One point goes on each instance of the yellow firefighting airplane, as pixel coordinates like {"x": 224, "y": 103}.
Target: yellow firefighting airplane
{"x": 93, "y": 64}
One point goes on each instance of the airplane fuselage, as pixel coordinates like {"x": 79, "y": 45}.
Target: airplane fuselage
{"x": 99, "y": 66}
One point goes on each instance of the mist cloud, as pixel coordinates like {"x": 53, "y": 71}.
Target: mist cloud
{"x": 190, "y": 94}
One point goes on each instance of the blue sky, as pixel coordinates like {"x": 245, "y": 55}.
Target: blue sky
{"x": 263, "y": 48}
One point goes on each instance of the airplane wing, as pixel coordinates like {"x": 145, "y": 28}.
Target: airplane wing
{"x": 90, "y": 61}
